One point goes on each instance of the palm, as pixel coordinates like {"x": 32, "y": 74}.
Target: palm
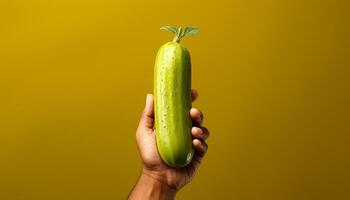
{"x": 152, "y": 162}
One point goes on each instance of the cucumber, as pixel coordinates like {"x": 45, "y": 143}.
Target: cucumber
{"x": 172, "y": 95}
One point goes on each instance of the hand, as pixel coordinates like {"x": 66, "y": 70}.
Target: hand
{"x": 153, "y": 167}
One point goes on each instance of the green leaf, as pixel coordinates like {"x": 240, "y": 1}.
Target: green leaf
{"x": 191, "y": 31}
{"x": 180, "y": 32}
{"x": 172, "y": 29}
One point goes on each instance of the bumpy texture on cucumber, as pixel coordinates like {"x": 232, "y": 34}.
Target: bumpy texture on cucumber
{"x": 172, "y": 92}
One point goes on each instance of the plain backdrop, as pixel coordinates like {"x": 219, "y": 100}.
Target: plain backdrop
{"x": 273, "y": 78}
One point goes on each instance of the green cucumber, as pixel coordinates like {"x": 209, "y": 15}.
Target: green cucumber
{"x": 172, "y": 92}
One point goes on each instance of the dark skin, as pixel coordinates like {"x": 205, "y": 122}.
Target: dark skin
{"x": 157, "y": 180}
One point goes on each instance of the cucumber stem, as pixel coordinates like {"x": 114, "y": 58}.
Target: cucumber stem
{"x": 179, "y": 35}
{"x": 180, "y": 32}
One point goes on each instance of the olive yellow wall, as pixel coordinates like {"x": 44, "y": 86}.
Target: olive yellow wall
{"x": 273, "y": 78}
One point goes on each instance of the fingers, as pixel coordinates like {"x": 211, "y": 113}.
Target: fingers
{"x": 199, "y": 144}
{"x": 194, "y": 95}
{"x": 147, "y": 117}
{"x": 149, "y": 107}
{"x": 201, "y": 148}
{"x": 200, "y": 133}
{"x": 197, "y": 116}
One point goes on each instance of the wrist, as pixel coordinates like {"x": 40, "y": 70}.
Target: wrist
{"x": 151, "y": 186}
{"x": 159, "y": 178}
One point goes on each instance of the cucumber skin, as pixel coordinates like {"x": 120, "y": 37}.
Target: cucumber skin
{"x": 172, "y": 95}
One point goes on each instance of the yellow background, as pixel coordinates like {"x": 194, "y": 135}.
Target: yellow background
{"x": 273, "y": 78}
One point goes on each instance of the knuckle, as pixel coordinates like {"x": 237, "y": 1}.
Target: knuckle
{"x": 205, "y": 131}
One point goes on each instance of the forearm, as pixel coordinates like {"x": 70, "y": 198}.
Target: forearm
{"x": 151, "y": 188}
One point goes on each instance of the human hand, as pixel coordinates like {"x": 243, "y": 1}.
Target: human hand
{"x": 153, "y": 167}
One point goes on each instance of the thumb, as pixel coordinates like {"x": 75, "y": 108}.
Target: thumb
{"x": 147, "y": 117}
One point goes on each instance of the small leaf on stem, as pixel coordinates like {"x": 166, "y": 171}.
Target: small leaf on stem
{"x": 172, "y": 29}
{"x": 191, "y": 31}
